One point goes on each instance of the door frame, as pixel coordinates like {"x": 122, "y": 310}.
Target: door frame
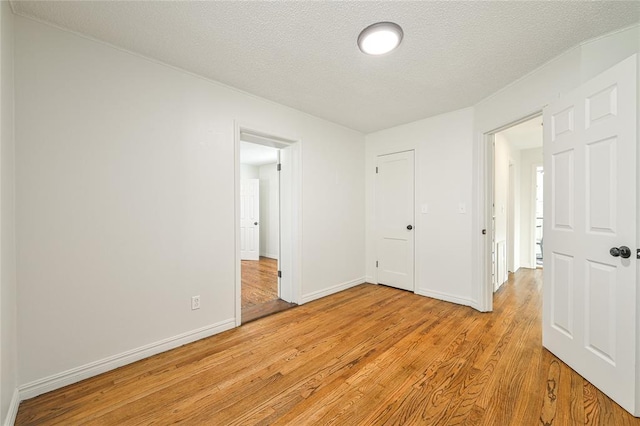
{"x": 416, "y": 188}
{"x": 486, "y": 199}
{"x": 293, "y": 228}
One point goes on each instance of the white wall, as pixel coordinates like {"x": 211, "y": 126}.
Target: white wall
{"x": 443, "y": 181}
{"x": 125, "y": 202}
{"x": 269, "y": 211}
{"x": 8, "y": 290}
{"x": 515, "y": 214}
{"x": 529, "y": 158}
{"x": 248, "y": 171}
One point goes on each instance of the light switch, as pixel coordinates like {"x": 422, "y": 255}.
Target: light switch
{"x": 462, "y": 208}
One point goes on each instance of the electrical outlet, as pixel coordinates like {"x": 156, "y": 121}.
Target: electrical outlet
{"x": 195, "y": 303}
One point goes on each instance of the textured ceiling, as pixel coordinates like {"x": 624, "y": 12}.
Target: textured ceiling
{"x": 304, "y": 54}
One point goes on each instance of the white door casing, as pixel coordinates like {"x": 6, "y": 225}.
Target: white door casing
{"x": 250, "y": 219}
{"x": 290, "y": 257}
{"x": 394, "y": 214}
{"x": 589, "y": 303}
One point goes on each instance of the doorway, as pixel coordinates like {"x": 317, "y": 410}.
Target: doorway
{"x": 267, "y": 233}
{"x": 516, "y": 193}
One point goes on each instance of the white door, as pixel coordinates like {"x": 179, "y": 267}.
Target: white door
{"x": 285, "y": 260}
{"x": 250, "y": 219}
{"x": 395, "y": 219}
{"x": 589, "y": 308}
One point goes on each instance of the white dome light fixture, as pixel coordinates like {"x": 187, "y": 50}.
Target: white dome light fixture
{"x": 380, "y": 38}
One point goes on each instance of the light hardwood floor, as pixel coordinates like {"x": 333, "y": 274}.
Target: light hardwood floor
{"x": 259, "y": 281}
{"x": 260, "y": 289}
{"x": 370, "y": 355}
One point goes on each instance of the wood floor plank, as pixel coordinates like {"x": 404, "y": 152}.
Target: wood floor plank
{"x": 371, "y": 355}
{"x": 259, "y": 279}
{"x": 260, "y": 289}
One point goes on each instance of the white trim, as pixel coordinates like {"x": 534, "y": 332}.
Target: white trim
{"x": 370, "y": 280}
{"x": 236, "y": 225}
{"x": 331, "y": 290}
{"x": 74, "y": 375}
{"x": 13, "y": 409}
{"x": 485, "y": 241}
{"x": 445, "y": 297}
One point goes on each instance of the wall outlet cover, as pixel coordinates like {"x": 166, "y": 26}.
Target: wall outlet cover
{"x": 195, "y": 303}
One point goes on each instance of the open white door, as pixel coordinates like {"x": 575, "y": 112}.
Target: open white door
{"x": 395, "y": 219}
{"x": 589, "y": 312}
{"x": 285, "y": 259}
{"x": 250, "y": 219}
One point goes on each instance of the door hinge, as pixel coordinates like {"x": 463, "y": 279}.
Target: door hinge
{"x": 484, "y": 232}
{"x": 637, "y": 253}
{"x": 376, "y": 170}
{"x": 279, "y": 167}
{"x": 279, "y": 274}
{"x": 376, "y": 263}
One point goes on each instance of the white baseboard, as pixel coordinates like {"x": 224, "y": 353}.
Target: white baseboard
{"x": 56, "y": 381}
{"x": 475, "y": 305}
{"x": 370, "y": 280}
{"x": 445, "y": 296}
{"x": 269, "y": 255}
{"x": 331, "y": 290}
{"x": 13, "y": 409}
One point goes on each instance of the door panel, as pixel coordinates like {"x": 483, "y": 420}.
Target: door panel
{"x": 602, "y": 170}
{"x": 589, "y": 310}
{"x": 250, "y": 219}
{"x": 394, "y": 213}
{"x": 600, "y": 284}
{"x": 562, "y": 293}
{"x": 563, "y": 190}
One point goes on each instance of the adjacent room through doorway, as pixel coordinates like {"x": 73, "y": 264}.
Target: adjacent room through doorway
{"x": 517, "y": 237}
{"x": 259, "y": 231}
{"x": 539, "y": 215}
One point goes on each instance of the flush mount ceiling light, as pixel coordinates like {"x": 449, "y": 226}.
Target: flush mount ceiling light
{"x": 380, "y": 38}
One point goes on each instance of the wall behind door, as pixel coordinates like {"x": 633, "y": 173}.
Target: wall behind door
{"x": 528, "y": 158}
{"x": 269, "y": 211}
{"x": 248, "y": 171}
{"x": 502, "y": 157}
